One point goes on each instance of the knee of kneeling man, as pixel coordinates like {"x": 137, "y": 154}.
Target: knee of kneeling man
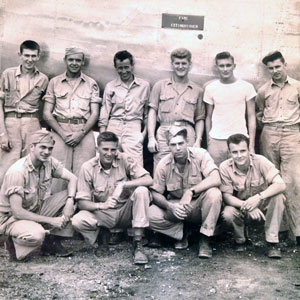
{"x": 38, "y": 236}
{"x": 76, "y": 221}
{"x": 214, "y": 194}
{"x": 227, "y": 215}
{"x": 141, "y": 190}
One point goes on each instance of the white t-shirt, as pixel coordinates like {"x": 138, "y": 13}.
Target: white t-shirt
{"x": 229, "y": 111}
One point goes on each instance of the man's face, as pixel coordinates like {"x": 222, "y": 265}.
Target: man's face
{"x": 29, "y": 58}
{"x": 124, "y": 69}
{"x": 41, "y": 151}
{"x": 225, "y": 68}
{"x": 107, "y": 152}
{"x": 74, "y": 63}
{"x": 240, "y": 154}
{"x": 178, "y": 147}
{"x": 277, "y": 69}
{"x": 181, "y": 67}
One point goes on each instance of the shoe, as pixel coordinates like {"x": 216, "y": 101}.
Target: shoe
{"x": 183, "y": 244}
{"x": 10, "y": 247}
{"x": 154, "y": 241}
{"x": 205, "y": 249}
{"x": 139, "y": 257}
{"x": 240, "y": 247}
{"x": 274, "y": 251}
{"x": 116, "y": 238}
{"x": 53, "y": 246}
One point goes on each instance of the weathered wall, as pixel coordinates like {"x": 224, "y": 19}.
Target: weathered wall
{"x": 247, "y": 28}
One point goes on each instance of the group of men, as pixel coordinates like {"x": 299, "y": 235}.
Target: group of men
{"x": 55, "y": 182}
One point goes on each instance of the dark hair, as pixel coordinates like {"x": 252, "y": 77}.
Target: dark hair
{"x": 107, "y": 136}
{"x": 237, "y": 138}
{"x": 122, "y": 55}
{"x": 29, "y": 44}
{"x": 273, "y": 56}
{"x": 223, "y": 55}
{"x": 181, "y": 53}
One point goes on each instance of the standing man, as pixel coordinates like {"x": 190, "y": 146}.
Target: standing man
{"x": 175, "y": 101}
{"x": 279, "y": 111}
{"x": 189, "y": 178}
{"x": 21, "y": 90}
{"x": 71, "y": 109}
{"x": 252, "y": 190}
{"x": 228, "y": 101}
{"x": 125, "y": 107}
{"x": 112, "y": 193}
{"x": 27, "y": 208}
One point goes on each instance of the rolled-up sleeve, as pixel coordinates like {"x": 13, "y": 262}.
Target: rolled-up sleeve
{"x": 159, "y": 180}
{"x": 226, "y": 181}
{"x": 84, "y": 185}
{"x": 95, "y": 93}
{"x": 106, "y": 108}
{"x": 200, "y": 108}
{"x": 154, "y": 96}
{"x": 50, "y": 95}
{"x": 207, "y": 164}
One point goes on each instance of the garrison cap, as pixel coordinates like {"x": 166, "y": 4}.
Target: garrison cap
{"x": 41, "y": 136}
{"x": 74, "y": 50}
{"x": 174, "y": 130}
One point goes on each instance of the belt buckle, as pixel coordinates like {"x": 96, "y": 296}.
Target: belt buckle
{"x": 177, "y": 123}
{"x": 18, "y": 115}
{"x": 76, "y": 121}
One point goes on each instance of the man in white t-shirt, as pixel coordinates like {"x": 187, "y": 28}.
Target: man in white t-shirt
{"x": 230, "y": 108}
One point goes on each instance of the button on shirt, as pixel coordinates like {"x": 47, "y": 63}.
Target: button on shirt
{"x": 259, "y": 176}
{"x": 72, "y": 101}
{"x": 96, "y": 184}
{"x": 18, "y": 97}
{"x": 121, "y": 102}
{"x": 276, "y": 104}
{"x": 33, "y": 185}
{"x": 167, "y": 176}
{"x": 174, "y": 106}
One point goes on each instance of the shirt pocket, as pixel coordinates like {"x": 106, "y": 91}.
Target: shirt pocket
{"x": 99, "y": 193}
{"x": 62, "y": 102}
{"x": 30, "y": 201}
{"x": 189, "y": 106}
{"x": 194, "y": 180}
{"x": 172, "y": 187}
{"x": 293, "y": 100}
{"x": 115, "y": 99}
{"x": 11, "y": 98}
{"x": 84, "y": 101}
{"x": 34, "y": 96}
{"x": 165, "y": 104}
{"x": 257, "y": 186}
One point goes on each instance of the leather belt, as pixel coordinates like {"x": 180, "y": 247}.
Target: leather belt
{"x": 71, "y": 121}
{"x": 176, "y": 123}
{"x": 13, "y": 114}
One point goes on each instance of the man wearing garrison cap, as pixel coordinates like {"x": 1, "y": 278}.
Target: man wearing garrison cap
{"x": 71, "y": 109}
{"x": 175, "y": 101}
{"x": 189, "y": 178}
{"x": 278, "y": 110}
{"x": 28, "y": 210}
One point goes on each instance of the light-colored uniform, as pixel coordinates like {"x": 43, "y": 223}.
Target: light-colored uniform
{"x": 279, "y": 112}
{"x": 34, "y": 186}
{"x": 21, "y": 102}
{"x": 123, "y": 111}
{"x": 206, "y": 205}
{"x": 96, "y": 184}
{"x": 259, "y": 176}
{"x": 72, "y": 110}
{"x": 173, "y": 108}
{"x": 228, "y": 118}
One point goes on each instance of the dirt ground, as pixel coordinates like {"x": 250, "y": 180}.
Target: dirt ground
{"x": 170, "y": 274}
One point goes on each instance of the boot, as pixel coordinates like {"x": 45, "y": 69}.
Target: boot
{"x": 205, "y": 249}
{"x": 139, "y": 257}
{"x": 10, "y": 247}
{"x": 52, "y": 246}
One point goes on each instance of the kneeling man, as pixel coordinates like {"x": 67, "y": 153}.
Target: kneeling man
{"x": 28, "y": 210}
{"x": 112, "y": 193}
{"x": 252, "y": 190}
{"x": 190, "y": 179}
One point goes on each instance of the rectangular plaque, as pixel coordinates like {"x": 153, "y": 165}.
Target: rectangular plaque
{"x": 184, "y": 22}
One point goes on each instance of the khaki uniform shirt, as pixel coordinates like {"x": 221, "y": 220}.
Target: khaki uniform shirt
{"x": 121, "y": 102}
{"x": 173, "y": 106}
{"x": 167, "y": 177}
{"x": 72, "y": 102}
{"x": 279, "y": 105}
{"x": 22, "y": 100}
{"x": 259, "y": 176}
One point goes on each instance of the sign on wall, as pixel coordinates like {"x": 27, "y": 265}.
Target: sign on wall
{"x": 185, "y": 22}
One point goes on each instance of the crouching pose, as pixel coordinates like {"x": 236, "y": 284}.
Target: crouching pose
{"x": 112, "y": 193}
{"x": 252, "y": 190}
{"x": 27, "y": 209}
{"x": 190, "y": 178}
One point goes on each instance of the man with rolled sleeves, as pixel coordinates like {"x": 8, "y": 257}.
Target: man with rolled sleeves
{"x": 28, "y": 210}
{"x": 278, "y": 109}
{"x": 21, "y": 91}
{"x": 175, "y": 101}
{"x": 112, "y": 193}
{"x": 190, "y": 180}
{"x": 125, "y": 107}
{"x": 71, "y": 109}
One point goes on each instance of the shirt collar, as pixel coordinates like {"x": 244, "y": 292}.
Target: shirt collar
{"x": 65, "y": 78}
{"x": 135, "y": 81}
{"x": 171, "y": 81}
{"x": 288, "y": 80}
{"x": 30, "y": 165}
{"x": 236, "y": 170}
{"x": 115, "y": 162}
{"x": 19, "y": 72}
{"x": 172, "y": 160}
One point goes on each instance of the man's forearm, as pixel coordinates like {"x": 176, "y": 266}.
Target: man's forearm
{"x": 159, "y": 200}
{"x": 151, "y": 122}
{"x": 212, "y": 180}
{"x": 232, "y": 200}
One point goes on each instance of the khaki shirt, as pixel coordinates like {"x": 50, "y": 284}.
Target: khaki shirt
{"x": 31, "y": 184}
{"x": 121, "y": 102}
{"x": 172, "y": 106}
{"x": 276, "y": 104}
{"x": 10, "y": 91}
{"x": 96, "y": 184}
{"x": 167, "y": 177}
{"x": 259, "y": 176}
{"x": 72, "y": 102}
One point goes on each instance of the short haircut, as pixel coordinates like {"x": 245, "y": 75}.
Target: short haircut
{"x": 237, "y": 138}
{"x": 107, "y": 136}
{"x": 223, "y": 55}
{"x": 122, "y": 55}
{"x": 273, "y": 56}
{"x": 181, "y": 53}
{"x": 29, "y": 44}
{"x": 182, "y": 133}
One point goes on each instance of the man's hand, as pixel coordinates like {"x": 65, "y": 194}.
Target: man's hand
{"x": 5, "y": 143}
{"x": 68, "y": 212}
{"x": 187, "y": 197}
{"x": 153, "y": 145}
{"x": 178, "y": 210}
{"x": 256, "y": 214}
{"x": 251, "y": 203}
{"x": 58, "y": 222}
{"x": 109, "y": 203}
{"x": 74, "y": 139}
